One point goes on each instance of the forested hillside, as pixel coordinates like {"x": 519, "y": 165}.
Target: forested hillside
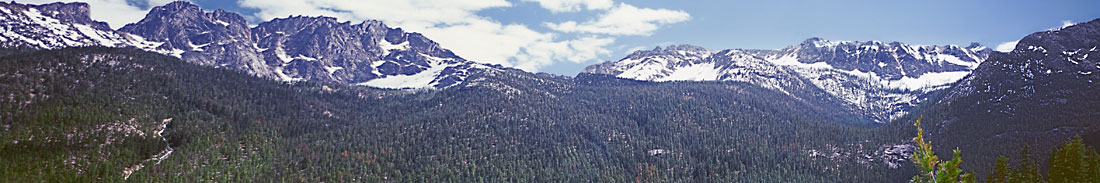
{"x": 91, "y": 114}
{"x": 1040, "y": 94}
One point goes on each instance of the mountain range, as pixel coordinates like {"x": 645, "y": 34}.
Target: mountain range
{"x": 207, "y": 92}
{"x": 288, "y": 49}
{"x": 875, "y": 81}
{"x": 879, "y": 80}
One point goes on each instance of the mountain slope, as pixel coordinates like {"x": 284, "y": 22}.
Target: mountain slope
{"x": 1041, "y": 93}
{"x": 500, "y": 125}
{"x": 288, "y": 49}
{"x": 59, "y": 25}
{"x": 880, "y": 81}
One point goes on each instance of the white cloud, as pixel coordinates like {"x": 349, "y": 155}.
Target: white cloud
{"x": 1066, "y": 23}
{"x": 560, "y": 6}
{"x": 455, "y": 25}
{"x": 1007, "y": 46}
{"x": 624, "y": 19}
{"x": 116, "y": 13}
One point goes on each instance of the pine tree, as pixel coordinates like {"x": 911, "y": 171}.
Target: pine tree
{"x": 1092, "y": 165}
{"x": 1000, "y": 171}
{"x": 931, "y": 169}
{"x": 1027, "y": 170}
{"x": 1074, "y": 162}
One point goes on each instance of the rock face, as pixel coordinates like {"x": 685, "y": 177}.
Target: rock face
{"x": 369, "y": 53}
{"x": 305, "y": 48}
{"x": 59, "y": 25}
{"x": 287, "y": 49}
{"x": 219, "y": 38}
{"x": 879, "y": 80}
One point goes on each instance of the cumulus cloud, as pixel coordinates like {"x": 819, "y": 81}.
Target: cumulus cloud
{"x": 1006, "y": 46}
{"x": 117, "y": 13}
{"x": 456, "y": 26}
{"x": 1067, "y": 23}
{"x": 624, "y": 19}
{"x": 560, "y": 6}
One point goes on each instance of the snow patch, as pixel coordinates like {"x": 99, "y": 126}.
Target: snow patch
{"x": 223, "y": 23}
{"x": 387, "y": 46}
{"x": 829, "y": 43}
{"x": 282, "y": 55}
{"x": 423, "y": 79}
{"x": 696, "y": 72}
{"x": 927, "y": 80}
{"x": 789, "y": 59}
{"x": 196, "y": 47}
{"x": 95, "y": 35}
{"x": 300, "y": 56}
{"x": 178, "y": 53}
{"x": 332, "y": 70}
{"x": 282, "y": 76}
{"x": 955, "y": 60}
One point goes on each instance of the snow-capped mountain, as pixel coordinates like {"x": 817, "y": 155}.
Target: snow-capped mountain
{"x": 693, "y": 63}
{"x": 217, "y": 38}
{"x": 876, "y": 79}
{"x": 288, "y": 49}
{"x": 59, "y": 25}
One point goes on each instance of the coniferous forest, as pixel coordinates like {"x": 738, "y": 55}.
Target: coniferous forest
{"x": 110, "y": 115}
{"x": 361, "y": 91}
{"x": 88, "y": 114}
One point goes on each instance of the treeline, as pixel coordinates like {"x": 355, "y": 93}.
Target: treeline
{"x": 1073, "y": 161}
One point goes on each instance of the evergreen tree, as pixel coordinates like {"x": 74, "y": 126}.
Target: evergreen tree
{"x": 1074, "y": 162}
{"x": 1000, "y": 171}
{"x": 1027, "y": 171}
{"x": 931, "y": 169}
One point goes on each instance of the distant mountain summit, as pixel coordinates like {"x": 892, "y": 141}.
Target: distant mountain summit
{"x": 880, "y": 80}
{"x": 288, "y": 49}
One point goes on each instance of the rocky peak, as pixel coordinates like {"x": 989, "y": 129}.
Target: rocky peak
{"x": 345, "y": 52}
{"x": 891, "y": 60}
{"x": 289, "y": 49}
{"x": 58, "y": 25}
{"x": 895, "y": 75}
{"x": 75, "y": 12}
{"x": 683, "y": 50}
{"x": 219, "y": 38}
{"x": 1071, "y": 51}
{"x": 184, "y": 26}
{"x": 975, "y": 45}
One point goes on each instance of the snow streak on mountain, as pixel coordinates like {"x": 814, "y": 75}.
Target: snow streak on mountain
{"x": 288, "y": 49}
{"x": 876, "y": 79}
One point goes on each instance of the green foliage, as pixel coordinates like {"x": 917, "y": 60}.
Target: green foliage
{"x": 930, "y": 168}
{"x": 497, "y": 127}
{"x": 1000, "y": 172}
{"x": 1074, "y": 162}
{"x": 1027, "y": 170}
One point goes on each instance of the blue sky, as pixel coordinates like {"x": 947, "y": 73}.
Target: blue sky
{"x": 535, "y": 34}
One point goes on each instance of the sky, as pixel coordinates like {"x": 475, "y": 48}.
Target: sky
{"x": 564, "y": 36}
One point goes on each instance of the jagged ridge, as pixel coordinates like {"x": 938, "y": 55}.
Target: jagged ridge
{"x": 880, "y": 80}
